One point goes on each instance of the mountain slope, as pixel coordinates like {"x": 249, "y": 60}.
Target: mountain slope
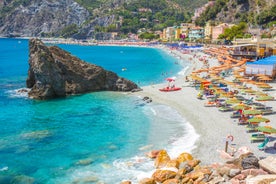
{"x": 89, "y": 18}
{"x": 254, "y": 12}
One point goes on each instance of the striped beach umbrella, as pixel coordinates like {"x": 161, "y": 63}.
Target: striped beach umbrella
{"x": 266, "y": 129}
{"x": 252, "y": 112}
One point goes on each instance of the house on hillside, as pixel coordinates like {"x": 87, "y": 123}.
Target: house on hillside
{"x": 219, "y": 29}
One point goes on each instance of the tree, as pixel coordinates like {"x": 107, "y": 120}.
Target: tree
{"x": 148, "y": 36}
{"x": 237, "y": 31}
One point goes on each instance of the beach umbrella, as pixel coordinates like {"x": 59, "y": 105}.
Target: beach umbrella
{"x": 265, "y": 87}
{"x": 241, "y": 106}
{"x": 252, "y": 112}
{"x": 266, "y": 129}
{"x": 232, "y": 101}
{"x": 170, "y": 79}
{"x": 264, "y": 98}
{"x": 250, "y": 91}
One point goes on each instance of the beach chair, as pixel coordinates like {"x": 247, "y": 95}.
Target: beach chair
{"x": 262, "y": 146}
{"x": 257, "y": 137}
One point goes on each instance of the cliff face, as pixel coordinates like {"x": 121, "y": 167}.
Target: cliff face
{"x": 236, "y": 11}
{"x": 54, "y": 72}
{"x": 37, "y": 17}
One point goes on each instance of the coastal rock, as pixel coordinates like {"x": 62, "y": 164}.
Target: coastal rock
{"x": 54, "y": 72}
{"x": 162, "y": 159}
{"x": 184, "y": 157}
{"x": 250, "y": 162}
{"x": 262, "y": 179}
{"x": 163, "y": 175}
{"x": 126, "y": 182}
{"x": 253, "y": 172}
{"x": 171, "y": 181}
{"x": 172, "y": 163}
{"x": 147, "y": 181}
{"x": 268, "y": 164}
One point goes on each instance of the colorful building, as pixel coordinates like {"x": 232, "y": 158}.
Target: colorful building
{"x": 219, "y": 29}
{"x": 208, "y": 31}
{"x": 196, "y": 33}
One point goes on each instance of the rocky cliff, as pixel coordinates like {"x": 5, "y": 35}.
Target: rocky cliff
{"x": 37, "y": 18}
{"x": 54, "y": 72}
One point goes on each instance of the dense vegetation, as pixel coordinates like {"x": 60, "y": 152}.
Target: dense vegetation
{"x": 157, "y": 14}
{"x": 237, "y": 31}
{"x": 241, "y": 11}
{"x": 267, "y": 16}
{"x": 211, "y": 12}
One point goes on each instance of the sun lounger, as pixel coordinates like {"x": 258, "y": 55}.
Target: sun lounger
{"x": 225, "y": 109}
{"x": 262, "y": 146}
{"x": 235, "y": 115}
{"x": 268, "y": 112}
{"x": 251, "y": 128}
{"x": 257, "y": 137}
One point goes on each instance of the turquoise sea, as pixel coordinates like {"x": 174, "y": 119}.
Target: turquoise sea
{"x": 92, "y": 138}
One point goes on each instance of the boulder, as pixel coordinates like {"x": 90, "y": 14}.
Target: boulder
{"x": 163, "y": 175}
{"x": 262, "y": 179}
{"x": 162, "y": 159}
{"x": 54, "y": 72}
{"x": 183, "y": 157}
{"x": 171, "y": 181}
{"x": 147, "y": 181}
{"x": 250, "y": 162}
{"x": 268, "y": 164}
{"x": 253, "y": 172}
{"x": 172, "y": 163}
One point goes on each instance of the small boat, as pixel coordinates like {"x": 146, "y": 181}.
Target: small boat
{"x": 124, "y": 69}
{"x": 168, "y": 89}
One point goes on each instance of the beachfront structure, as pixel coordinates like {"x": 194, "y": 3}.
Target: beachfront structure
{"x": 266, "y": 66}
{"x": 264, "y": 47}
{"x": 244, "y": 51}
{"x": 196, "y": 33}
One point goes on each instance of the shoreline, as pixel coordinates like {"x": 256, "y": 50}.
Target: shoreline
{"x": 211, "y": 125}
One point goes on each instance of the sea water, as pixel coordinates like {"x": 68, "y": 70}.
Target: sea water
{"x": 97, "y": 137}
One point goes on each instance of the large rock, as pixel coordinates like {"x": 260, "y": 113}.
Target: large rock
{"x": 269, "y": 164}
{"x": 163, "y": 175}
{"x": 162, "y": 159}
{"x": 54, "y": 72}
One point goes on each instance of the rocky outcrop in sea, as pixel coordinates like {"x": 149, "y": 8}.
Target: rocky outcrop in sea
{"x": 54, "y": 72}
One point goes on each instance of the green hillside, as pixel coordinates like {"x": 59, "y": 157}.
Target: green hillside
{"x": 254, "y": 12}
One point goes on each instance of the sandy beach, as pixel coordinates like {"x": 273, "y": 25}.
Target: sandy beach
{"x": 212, "y": 125}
